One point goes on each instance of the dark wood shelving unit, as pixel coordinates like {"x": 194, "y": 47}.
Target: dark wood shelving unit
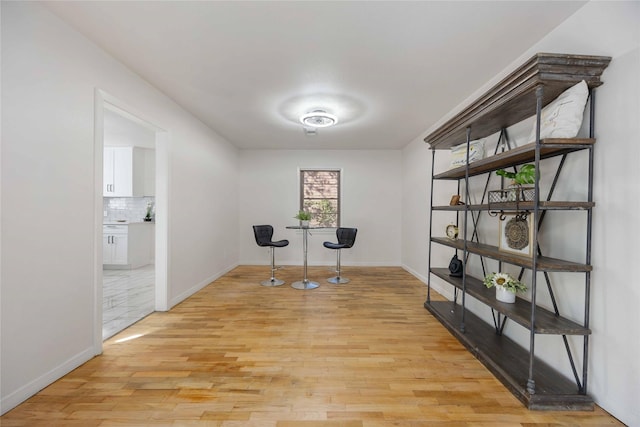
{"x": 520, "y": 95}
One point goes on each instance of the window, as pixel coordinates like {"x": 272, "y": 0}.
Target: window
{"x": 320, "y": 196}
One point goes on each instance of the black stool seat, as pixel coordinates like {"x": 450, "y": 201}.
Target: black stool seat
{"x": 277, "y": 244}
{"x": 263, "y": 235}
{"x": 331, "y": 245}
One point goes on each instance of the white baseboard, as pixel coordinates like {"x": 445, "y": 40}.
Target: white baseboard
{"x": 414, "y": 273}
{"x": 23, "y": 393}
{"x": 445, "y": 291}
{"x": 192, "y": 290}
{"x": 329, "y": 264}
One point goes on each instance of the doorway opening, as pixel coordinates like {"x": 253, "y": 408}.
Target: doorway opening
{"x": 131, "y": 218}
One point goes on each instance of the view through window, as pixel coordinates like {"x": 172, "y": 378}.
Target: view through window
{"x": 320, "y": 196}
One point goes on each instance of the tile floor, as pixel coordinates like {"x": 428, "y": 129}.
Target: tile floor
{"x": 128, "y": 296}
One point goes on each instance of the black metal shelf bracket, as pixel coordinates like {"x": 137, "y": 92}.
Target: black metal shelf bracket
{"x": 499, "y": 321}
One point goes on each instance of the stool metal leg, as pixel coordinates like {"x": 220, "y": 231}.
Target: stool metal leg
{"x": 273, "y": 281}
{"x": 338, "y": 279}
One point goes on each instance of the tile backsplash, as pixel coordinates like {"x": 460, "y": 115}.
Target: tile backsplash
{"x": 132, "y": 209}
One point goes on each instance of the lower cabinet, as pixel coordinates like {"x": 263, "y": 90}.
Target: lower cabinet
{"x": 114, "y": 244}
{"x": 127, "y": 245}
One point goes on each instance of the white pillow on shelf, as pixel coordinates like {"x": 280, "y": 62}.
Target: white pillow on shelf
{"x": 562, "y": 117}
{"x": 459, "y": 153}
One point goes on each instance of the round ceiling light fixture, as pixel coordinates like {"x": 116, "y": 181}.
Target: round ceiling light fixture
{"x": 318, "y": 119}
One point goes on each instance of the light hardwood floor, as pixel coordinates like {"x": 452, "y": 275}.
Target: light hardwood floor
{"x": 364, "y": 354}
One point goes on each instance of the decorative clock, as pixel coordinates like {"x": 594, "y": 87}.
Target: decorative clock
{"x": 452, "y": 231}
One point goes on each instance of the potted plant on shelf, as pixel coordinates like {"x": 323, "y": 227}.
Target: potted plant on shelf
{"x": 304, "y": 218}
{"x": 506, "y": 286}
{"x": 149, "y": 216}
{"x": 526, "y": 175}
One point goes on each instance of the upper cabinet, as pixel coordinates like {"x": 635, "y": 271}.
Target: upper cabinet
{"x": 149, "y": 172}
{"x": 128, "y": 172}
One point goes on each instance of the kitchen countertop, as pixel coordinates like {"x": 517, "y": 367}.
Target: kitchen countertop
{"x": 127, "y": 222}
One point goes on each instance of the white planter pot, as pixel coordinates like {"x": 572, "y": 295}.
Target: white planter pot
{"x": 502, "y": 294}
{"x": 304, "y": 223}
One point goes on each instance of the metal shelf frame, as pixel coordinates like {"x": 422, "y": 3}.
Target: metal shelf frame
{"x": 540, "y": 320}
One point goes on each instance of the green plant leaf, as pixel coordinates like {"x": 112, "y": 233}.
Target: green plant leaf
{"x": 526, "y": 174}
{"x": 504, "y": 173}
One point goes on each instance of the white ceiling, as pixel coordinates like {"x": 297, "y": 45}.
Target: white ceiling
{"x": 389, "y": 70}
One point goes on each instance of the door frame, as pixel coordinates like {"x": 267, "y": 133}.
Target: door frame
{"x": 104, "y": 100}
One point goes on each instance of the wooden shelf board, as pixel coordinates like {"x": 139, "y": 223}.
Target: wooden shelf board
{"x": 513, "y": 99}
{"x": 520, "y": 312}
{"x": 517, "y": 156}
{"x": 522, "y": 206}
{"x": 544, "y": 263}
{"x": 510, "y": 363}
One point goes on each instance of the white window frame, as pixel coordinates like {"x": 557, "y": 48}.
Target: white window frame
{"x": 340, "y": 189}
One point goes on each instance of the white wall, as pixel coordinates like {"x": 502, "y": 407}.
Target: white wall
{"x": 599, "y": 28}
{"x": 269, "y": 194}
{"x": 416, "y": 191}
{"x": 49, "y": 75}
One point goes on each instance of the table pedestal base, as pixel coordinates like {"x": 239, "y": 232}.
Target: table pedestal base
{"x": 304, "y": 284}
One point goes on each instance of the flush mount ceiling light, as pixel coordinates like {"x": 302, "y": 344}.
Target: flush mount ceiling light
{"x": 318, "y": 119}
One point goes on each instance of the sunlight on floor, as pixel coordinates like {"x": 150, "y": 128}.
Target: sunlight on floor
{"x": 128, "y": 296}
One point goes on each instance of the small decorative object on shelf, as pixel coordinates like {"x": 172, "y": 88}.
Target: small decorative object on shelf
{"x": 515, "y": 193}
{"x": 526, "y": 175}
{"x": 516, "y": 235}
{"x": 459, "y": 153}
{"x": 455, "y": 267}
{"x": 452, "y": 231}
{"x": 149, "y": 216}
{"x": 506, "y": 286}
{"x": 304, "y": 218}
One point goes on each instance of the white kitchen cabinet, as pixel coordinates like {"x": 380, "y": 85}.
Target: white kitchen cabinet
{"x": 123, "y": 172}
{"x": 115, "y": 244}
{"x": 127, "y": 245}
{"x": 149, "y": 172}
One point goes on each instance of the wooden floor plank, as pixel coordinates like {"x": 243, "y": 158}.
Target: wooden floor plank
{"x": 362, "y": 354}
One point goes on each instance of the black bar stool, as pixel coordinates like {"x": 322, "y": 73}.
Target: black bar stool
{"x": 263, "y": 234}
{"x": 346, "y": 239}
